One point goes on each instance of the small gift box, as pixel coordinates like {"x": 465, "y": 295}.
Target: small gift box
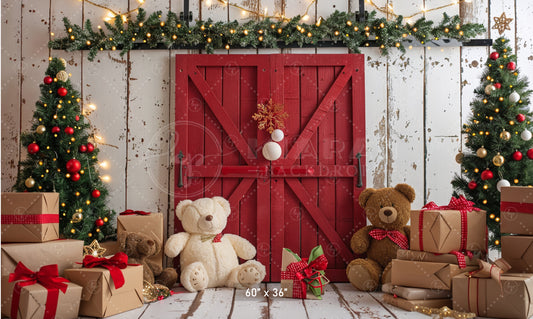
{"x": 41, "y": 294}
{"x": 30, "y": 217}
{"x": 516, "y": 210}
{"x": 467, "y": 259}
{"x": 518, "y": 252}
{"x": 444, "y": 229}
{"x": 150, "y": 224}
{"x": 300, "y": 275}
{"x": 410, "y": 305}
{"x": 110, "y": 285}
{"x": 412, "y": 293}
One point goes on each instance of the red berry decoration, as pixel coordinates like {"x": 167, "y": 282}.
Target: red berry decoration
{"x": 95, "y": 193}
{"x": 62, "y": 91}
{"x": 517, "y": 155}
{"x": 82, "y": 148}
{"x": 73, "y": 166}
{"x": 90, "y": 147}
{"x": 33, "y": 148}
{"x": 494, "y": 56}
{"x": 69, "y": 130}
{"x": 75, "y": 177}
{"x": 511, "y": 66}
{"x": 520, "y": 118}
{"x": 56, "y": 129}
{"x": 77, "y": 118}
{"x": 497, "y": 85}
{"x": 487, "y": 174}
{"x": 99, "y": 222}
{"x": 472, "y": 185}
{"x": 48, "y": 80}
{"x": 530, "y": 153}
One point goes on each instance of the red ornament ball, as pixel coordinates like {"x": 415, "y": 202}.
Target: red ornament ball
{"x": 517, "y": 155}
{"x": 99, "y": 222}
{"x": 497, "y": 85}
{"x": 511, "y": 66}
{"x": 494, "y": 56}
{"x": 62, "y": 91}
{"x": 472, "y": 185}
{"x": 56, "y": 129}
{"x": 530, "y": 153}
{"x": 48, "y": 80}
{"x": 95, "y": 193}
{"x": 73, "y": 166}
{"x": 90, "y": 147}
{"x": 520, "y": 118}
{"x": 77, "y": 118}
{"x": 82, "y": 148}
{"x": 69, "y": 130}
{"x": 33, "y": 148}
{"x": 487, "y": 174}
{"x": 75, "y": 177}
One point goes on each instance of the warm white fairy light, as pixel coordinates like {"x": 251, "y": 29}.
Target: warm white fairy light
{"x": 92, "y": 107}
{"x": 104, "y": 164}
{"x": 305, "y": 17}
{"x": 208, "y": 3}
{"x": 105, "y": 178}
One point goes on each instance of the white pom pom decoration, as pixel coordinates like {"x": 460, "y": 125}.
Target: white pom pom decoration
{"x": 502, "y": 183}
{"x": 526, "y": 135}
{"x": 271, "y": 151}
{"x": 514, "y": 97}
{"x": 277, "y": 135}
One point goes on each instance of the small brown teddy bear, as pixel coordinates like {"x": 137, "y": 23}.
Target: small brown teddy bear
{"x": 388, "y": 210}
{"x": 139, "y": 247}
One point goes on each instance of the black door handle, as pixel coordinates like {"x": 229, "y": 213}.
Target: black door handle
{"x": 360, "y": 177}
{"x": 180, "y": 176}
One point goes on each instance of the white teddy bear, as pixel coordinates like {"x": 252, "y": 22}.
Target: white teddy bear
{"x": 208, "y": 258}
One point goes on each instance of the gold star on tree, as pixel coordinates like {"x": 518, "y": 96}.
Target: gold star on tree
{"x": 93, "y": 249}
{"x": 501, "y": 23}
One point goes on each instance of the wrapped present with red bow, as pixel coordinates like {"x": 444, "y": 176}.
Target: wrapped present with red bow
{"x": 150, "y": 224}
{"x": 39, "y": 294}
{"x": 110, "y": 285}
{"x": 516, "y": 210}
{"x": 303, "y": 278}
{"x": 456, "y": 228}
{"x": 30, "y": 217}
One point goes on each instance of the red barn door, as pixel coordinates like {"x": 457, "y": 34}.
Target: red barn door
{"x": 308, "y": 196}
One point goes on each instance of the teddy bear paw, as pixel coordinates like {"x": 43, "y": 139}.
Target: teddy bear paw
{"x": 194, "y": 277}
{"x": 251, "y": 274}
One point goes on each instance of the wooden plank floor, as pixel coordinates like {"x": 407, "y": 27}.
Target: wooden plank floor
{"x": 341, "y": 300}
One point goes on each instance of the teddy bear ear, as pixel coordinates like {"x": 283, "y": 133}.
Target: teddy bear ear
{"x": 121, "y": 238}
{"x": 365, "y": 195}
{"x": 407, "y": 191}
{"x": 181, "y": 207}
{"x": 224, "y": 203}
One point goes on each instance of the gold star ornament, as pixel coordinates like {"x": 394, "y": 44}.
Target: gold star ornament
{"x": 501, "y": 23}
{"x": 93, "y": 249}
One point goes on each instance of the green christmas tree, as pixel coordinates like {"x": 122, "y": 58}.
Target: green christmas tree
{"x": 498, "y": 137}
{"x": 61, "y": 158}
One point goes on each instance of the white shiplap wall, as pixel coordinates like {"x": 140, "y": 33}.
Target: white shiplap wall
{"x": 415, "y": 102}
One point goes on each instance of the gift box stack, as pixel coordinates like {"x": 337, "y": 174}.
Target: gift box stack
{"x": 444, "y": 241}
{"x": 504, "y": 289}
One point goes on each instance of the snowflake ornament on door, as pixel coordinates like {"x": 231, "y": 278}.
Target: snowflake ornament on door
{"x": 270, "y": 116}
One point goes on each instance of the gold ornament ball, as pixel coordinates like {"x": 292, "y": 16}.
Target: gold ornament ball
{"x": 77, "y": 217}
{"x": 40, "y": 129}
{"x": 459, "y": 157}
{"x": 62, "y": 76}
{"x": 492, "y": 216}
{"x": 30, "y": 182}
{"x": 106, "y": 219}
{"x": 489, "y": 88}
{"x": 481, "y": 152}
{"x": 97, "y": 230}
{"x": 496, "y": 242}
{"x": 497, "y": 219}
{"x": 504, "y": 135}
{"x": 73, "y": 230}
{"x": 63, "y": 61}
{"x": 498, "y": 160}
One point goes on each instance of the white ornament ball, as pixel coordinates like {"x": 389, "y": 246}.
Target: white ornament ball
{"x": 514, "y": 97}
{"x": 271, "y": 151}
{"x": 277, "y": 135}
{"x": 526, "y": 135}
{"x": 502, "y": 183}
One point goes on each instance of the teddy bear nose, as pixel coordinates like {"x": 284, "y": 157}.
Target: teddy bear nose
{"x": 209, "y": 218}
{"x": 387, "y": 212}
{"x": 150, "y": 242}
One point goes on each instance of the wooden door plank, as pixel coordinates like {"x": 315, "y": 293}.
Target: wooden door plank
{"x": 181, "y": 123}
{"x": 214, "y": 303}
{"x": 245, "y": 307}
{"x": 331, "y": 306}
{"x": 282, "y": 308}
{"x": 239, "y": 193}
{"x": 174, "y": 306}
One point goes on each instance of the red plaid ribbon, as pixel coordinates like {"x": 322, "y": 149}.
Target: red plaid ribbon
{"x": 461, "y": 204}
{"x": 525, "y": 208}
{"x": 48, "y": 277}
{"x": 30, "y": 219}
{"x": 114, "y": 265}
{"x": 394, "y": 235}
{"x": 134, "y": 212}
{"x": 302, "y": 274}
{"x": 461, "y": 257}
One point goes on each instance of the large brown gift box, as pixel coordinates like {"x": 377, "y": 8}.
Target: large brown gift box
{"x": 100, "y": 298}
{"x": 413, "y": 293}
{"x": 518, "y": 252}
{"x": 32, "y": 303}
{"x": 30, "y": 217}
{"x": 441, "y": 231}
{"x": 150, "y": 224}
{"x": 416, "y": 255}
{"x": 485, "y": 297}
{"x": 65, "y": 253}
{"x": 410, "y": 305}
{"x": 516, "y": 210}
{"x": 425, "y": 274}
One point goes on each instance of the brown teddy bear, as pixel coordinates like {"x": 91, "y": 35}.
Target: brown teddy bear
{"x": 139, "y": 247}
{"x": 388, "y": 210}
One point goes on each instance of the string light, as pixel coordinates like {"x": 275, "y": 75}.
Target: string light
{"x": 106, "y": 178}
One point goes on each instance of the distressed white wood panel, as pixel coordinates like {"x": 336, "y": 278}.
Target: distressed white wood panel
{"x": 174, "y": 306}
{"x": 324, "y": 8}
{"x": 330, "y": 304}
{"x": 134, "y": 313}
{"x": 11, "y": 101}
{"x": 524, "y": 42}
{"x": 442, "y": 113}
{"x": 245, "y": 307}
{"x": 396, "y": 312}
{"x": 214, "y": 303}
{"x": 281, "y": 307}
{"x": 214, "y": 10}
{"x": 497, "y": 7}
{"x": 106, "y": 86}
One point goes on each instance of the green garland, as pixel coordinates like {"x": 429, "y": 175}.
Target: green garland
{"x": 340, "y": 26}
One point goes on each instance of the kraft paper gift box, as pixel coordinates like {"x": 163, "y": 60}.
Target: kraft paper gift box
{"x": 422, "y": 274}
{"x": 412, "y": 293}
{"x": 150, "y": 224}
{"x": 30, "y": 217}
{"x": 518, "y": 252}
{"x": 416, "y": 255}
{"x": 410, "y": 305}
{"x": 440, "y": 230}
{"x": 65, "y": 253}
{"x": 516, "y": 210}
{"x": 485, "y": 297}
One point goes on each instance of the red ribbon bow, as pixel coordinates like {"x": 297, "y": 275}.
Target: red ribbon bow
{"x": 48, "y": 277}
{"x": 114, "y": 265}
{"x": 304, "y": 274}
{"x": 134, "y": 212}
{"x": 394, "y": 235}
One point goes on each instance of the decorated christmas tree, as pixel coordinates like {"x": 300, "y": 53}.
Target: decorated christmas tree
{"x": 62, "y": 158}
{"x": 498, "y": 137}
